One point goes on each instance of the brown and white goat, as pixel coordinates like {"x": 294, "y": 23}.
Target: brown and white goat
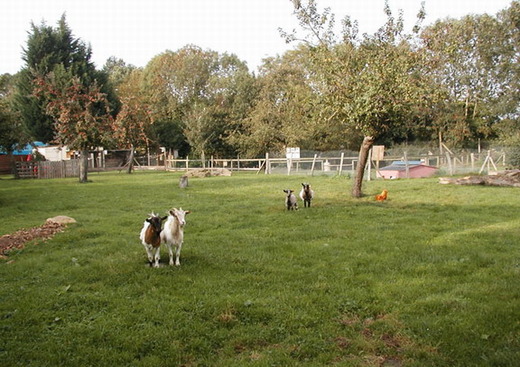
{"x": 306, "y": 194}
{"x": 173, "y": 233}
{"x": 151, "y": 238}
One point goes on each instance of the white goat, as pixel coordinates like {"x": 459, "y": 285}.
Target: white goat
{"x": 173, "y": 232}
{"x": 151, "y": 238}
{"x": 306, "y": 194}
{"x": 290, "y": 200}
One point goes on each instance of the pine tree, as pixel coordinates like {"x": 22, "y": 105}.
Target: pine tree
{"x": 47, "y": 50}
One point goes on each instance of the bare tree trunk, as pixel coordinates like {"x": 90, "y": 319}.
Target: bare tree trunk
{"x": 362, "y": 162}
{"x": 131, "y": 160}
{"x": 83, "y": 165}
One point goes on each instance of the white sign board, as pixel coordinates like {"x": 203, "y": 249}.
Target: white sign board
{"x": 378, "y": 152}
{"x": 292, "y": 153}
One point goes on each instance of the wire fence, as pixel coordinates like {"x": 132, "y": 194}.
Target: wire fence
{"x": 343, "y": 163}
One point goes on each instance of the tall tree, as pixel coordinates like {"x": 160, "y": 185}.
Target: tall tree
{"x": 133, "y": 125}
{"x": 468, "y": 53}
{"x": 81, "y": 114}
{"x": 117, "y": 71}
{"x": 282, "y": 111}
{"x": 12, "y": 133}
{"x": 368, "y": 84}
{"x": 508, "y": 71}
{"x": 227, "y": 100}
{"x": 196, "y": 93}
{"x": 49, "y": 48}
{"x": 172, "y": 82}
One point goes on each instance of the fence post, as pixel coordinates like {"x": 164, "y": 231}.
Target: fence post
{"x": 448, "y": 160}
{"x": 406, "y": 166}
{"x": 369, "y": 164}
{"x": 313, "y": 163}
{"x": 267, "y": 164}
{"x": 341, "y": 163}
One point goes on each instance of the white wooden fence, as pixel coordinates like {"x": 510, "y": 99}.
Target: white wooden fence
{"x": 449, "y": 164}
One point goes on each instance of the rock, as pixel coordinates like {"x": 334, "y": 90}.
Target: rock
{"x": 61, "y": 219}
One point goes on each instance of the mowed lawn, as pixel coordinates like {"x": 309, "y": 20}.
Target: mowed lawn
{"x": 430, "y": 277}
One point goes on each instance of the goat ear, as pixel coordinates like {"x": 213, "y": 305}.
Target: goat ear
{"x": 148, "y": 220}
{"x": 164, "y": 218}
{"x": 187, "y": 212}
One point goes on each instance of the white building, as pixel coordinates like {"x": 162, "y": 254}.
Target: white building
{"x": 54, "y": 153}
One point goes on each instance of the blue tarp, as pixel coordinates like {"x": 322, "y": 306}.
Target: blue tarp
{"x": 403, "y": 163}
{"x": 27, "y": 149}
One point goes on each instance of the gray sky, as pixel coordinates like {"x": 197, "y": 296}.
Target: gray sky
{"x": 138, "y": 30}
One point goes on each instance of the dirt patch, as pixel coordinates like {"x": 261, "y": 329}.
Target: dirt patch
{"x": 18, "y": 239}
{"x": 506, "y": 178}
{"x": 208, "y": 172}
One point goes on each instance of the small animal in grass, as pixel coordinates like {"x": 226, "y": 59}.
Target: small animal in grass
{"x": 183, "y": 182}
{"x": 306, "y": 194}
{"x": 173, "y": 233}
{"x": 382, "y": 196}
{"x": 151, "y": 238}
{"x": 290, "y": 200}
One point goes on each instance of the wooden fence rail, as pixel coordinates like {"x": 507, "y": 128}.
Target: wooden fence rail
{"x": 343, "y": 164}
{"x": 47, "y": 169}
{"x": 307, "y": 165}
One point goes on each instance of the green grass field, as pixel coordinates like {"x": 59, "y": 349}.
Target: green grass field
{"x": 429, "y": 278}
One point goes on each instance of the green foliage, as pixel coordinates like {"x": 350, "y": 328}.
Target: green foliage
{"x": 56, "y": 51}
{"x": 369, "y": 86}
{"x": 514, "y": 156}
{"x": 428, "y": 278}
{"x": 31, "y": 110}
{"x": 117, "y": 71}
{"x": 202, "y": 93}
{"x": 456, "y": 80}
{"x": 11, "y": 131}
{"x": 283, "y": 109}
{"x": 82, "y": 116}
{"x": 133, "y": 125}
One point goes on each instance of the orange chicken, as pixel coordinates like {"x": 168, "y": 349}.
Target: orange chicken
{"x": 382, "y": 196}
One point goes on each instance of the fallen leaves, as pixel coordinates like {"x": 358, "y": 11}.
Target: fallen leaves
{"x": 17, "y": 240}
